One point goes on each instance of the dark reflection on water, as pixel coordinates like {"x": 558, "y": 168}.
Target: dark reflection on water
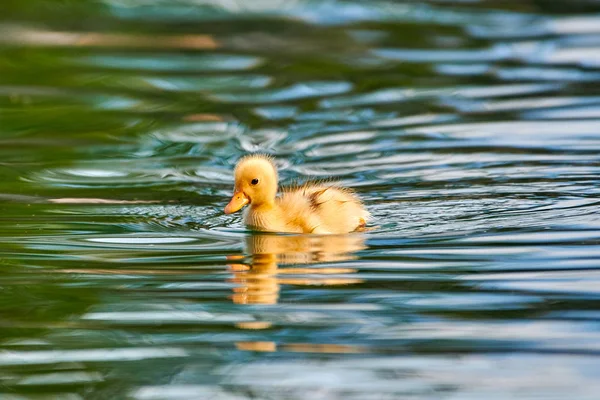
{"x": 470, "y": 128}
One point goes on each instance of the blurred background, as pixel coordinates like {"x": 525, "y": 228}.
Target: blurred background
{"x": 471, "y": 128}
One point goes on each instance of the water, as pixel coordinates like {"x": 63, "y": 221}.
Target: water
{"x": 470, "y": 128}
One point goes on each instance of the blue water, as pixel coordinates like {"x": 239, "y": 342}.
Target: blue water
{"x": 471, "y": 130}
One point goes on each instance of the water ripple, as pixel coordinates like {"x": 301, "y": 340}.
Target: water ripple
{"x": 471, "y": 130}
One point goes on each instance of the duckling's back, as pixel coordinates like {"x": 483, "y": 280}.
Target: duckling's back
{"x": 324, "y": 209}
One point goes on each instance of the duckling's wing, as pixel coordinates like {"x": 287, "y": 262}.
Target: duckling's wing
{"x": 339, "y": 209}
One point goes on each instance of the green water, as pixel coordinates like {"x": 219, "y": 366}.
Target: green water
{"x": 471, "y": 129}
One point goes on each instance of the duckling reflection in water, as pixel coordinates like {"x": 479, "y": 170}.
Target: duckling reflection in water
{"x": 312, "y": 208}
{"x": 259, "y": 282}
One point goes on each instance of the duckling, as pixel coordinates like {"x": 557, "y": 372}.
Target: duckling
{"x": 312, "y": 208}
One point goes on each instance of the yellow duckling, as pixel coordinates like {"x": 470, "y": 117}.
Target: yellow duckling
{"x": 319, "y": 208}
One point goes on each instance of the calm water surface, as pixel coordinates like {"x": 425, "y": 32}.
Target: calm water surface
{"x": 470, "y": 128}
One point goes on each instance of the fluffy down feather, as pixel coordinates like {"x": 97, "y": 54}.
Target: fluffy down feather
{"x": 321, "y": 208}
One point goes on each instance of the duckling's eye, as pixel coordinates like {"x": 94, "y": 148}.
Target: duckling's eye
{"x": 254, "y": 181}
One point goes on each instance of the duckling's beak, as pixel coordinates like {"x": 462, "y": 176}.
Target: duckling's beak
{"x": 238, "y": 201}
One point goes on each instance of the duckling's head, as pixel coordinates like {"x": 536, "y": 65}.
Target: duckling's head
{"x": 255, "y": 183}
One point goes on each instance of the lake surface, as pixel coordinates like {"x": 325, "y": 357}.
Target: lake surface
{"x": 470, "y": 128}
